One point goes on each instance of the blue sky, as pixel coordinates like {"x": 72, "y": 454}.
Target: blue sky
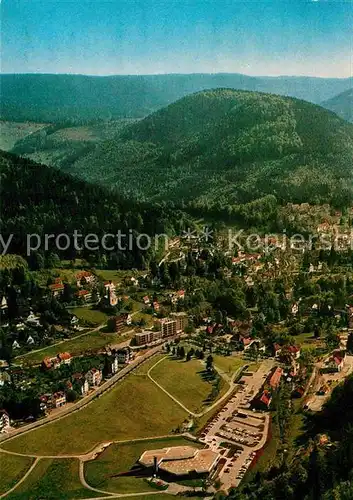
{"x": 177, "y": 36}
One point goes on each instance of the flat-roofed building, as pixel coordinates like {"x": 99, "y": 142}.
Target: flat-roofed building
{"x": 146, "y": 337}
{"x": 181, "y": 319}
{"x": 168, "y": 327}
{"x": 181, "y": 460}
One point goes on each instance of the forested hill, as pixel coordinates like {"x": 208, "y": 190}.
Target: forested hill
{"x": 79, "y": 98}
{"x": 225, "y": 147}
{"x": 342, "y": 104}
{"x": 42, "y": 200}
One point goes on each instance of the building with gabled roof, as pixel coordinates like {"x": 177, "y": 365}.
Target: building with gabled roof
{"x": 56, "y": 288}
{"x": 335, "y": 362}
{"x": 65, "y": 358}
{"x": 275, "y": 378}
{"x": 84, "y": 294}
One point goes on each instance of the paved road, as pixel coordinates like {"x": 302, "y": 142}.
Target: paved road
{"x": 66, "y": 410}
{"x": 21, "y": 480}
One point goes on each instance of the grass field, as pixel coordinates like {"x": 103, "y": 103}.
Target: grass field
{"x": 134, "y": 408}
{"x": 228, "y": 364}
{"x": 53, "y": 480}
{"x": 161, "y": 496}
{"x": 117, "y": 276}
{"x": 91, "y": 316}
{"x": 94, "y": 340}
{"x": 183, "y": 379}
{"x": 308, "y": 341}
{"x": 12, "y": 468}
{"x": 102, "y": 472}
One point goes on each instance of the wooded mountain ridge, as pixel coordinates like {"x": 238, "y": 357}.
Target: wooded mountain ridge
{"x": 225, "y": 147}
{"x": 79, "y": 98}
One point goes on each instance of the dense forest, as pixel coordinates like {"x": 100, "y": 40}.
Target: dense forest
{"x": 222, "y": 148}
{"x": 42, "y": 200}
{"x": 78, "y": 98}
{"x": 341, "y": 104}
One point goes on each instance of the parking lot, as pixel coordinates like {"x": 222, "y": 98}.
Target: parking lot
{"x": 236, "y": 432}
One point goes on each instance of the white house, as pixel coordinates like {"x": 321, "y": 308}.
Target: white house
{"x": 58, "y": 399}
{"x": 30, "y": 340}
{"x": 33, "y": 320}
{"x": 15, "y": 345}
{"x": 4, "y": 421}
{"x": 94, "y": 377}
{"x": 295, "y": 309}
{"x": 3, "y": 304}
{"x": 74, "y": 320}
{"x": 84, "y": 386}
{"x": 114, "y": 365}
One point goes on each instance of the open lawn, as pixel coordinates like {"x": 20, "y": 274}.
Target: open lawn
{"x": 185, "y": 381}
{"x": 12, "y": 468}
{"x": 308, "y": 341}
{"x": 134, "y": 408}
{"x": 91, "y": 316}
{"x": 105, "y": 472}
{"x": 53, "y": 480}
{"x": 117, "y": 276}
{"x": 84, "y": 343}
{"x": 162, "y": 496}
{"x": 228, "y": 364}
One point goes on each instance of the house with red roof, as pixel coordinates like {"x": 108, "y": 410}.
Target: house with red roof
{"x": 84, "y": 295}
{"x": 56, "y": 288}
{"x": 84, "y": 278}
{"x": 64, "y": 358}
{"x": 294, "y": 351}
{"x": 335, "y": 362}
{"x": 263, "y": 400}
{"x": 275, "y": 378}
{"x": 47, "y": 363}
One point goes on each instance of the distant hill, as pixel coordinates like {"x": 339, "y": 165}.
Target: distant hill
{"x": 54, "y": 98}
{"x": 58, "y": 145}
{"x": 37, "y": 199}
{"x": 341, "y": 104}
{"x": 226, "y": 147}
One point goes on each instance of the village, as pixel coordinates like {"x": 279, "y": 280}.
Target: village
{"x": 259, "y": 331}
